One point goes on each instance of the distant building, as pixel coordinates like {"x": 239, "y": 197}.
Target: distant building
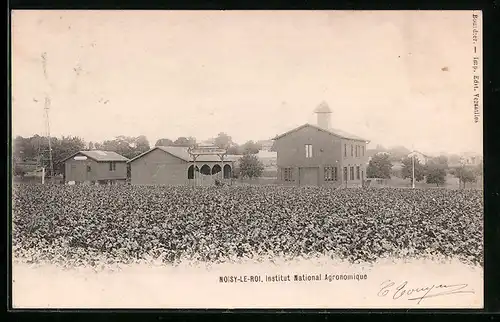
{"x": 26, "y": 167}
{"x": 377, "y": 153}
{"x": 320, "y": 155}
{"x": 103, "y": 167}
{"x": 173, "y": 165}
{"x": 267, "y": 145}
{"x": 422, "y": 158}
{"x": 470, "y": 158}
{"x": 268, "y": 158}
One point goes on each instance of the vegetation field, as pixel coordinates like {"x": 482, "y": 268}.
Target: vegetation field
{"x": 99, "y": 225}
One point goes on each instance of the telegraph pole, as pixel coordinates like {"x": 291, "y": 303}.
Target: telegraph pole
{"x": 413, "y": 171}
{"x": 413, "y": 166}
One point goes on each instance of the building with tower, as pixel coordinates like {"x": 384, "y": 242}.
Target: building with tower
{"x": 317, "y": 154}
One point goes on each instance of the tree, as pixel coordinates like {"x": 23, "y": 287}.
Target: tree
{"x": 435, "y": 174}
{"x": 235, "y": 149}
{"x": 454, "y": 159}
{"x": 164, "y": 142}
{"x": 435, "y": 170}
{"x": 36, "y": 148}
{"x": 379, "y": 166}
{"x": 398, "y": 152}
{"x": 91, "y": 145}
{"x": 440, "y": 161}
{"x": 127, "y": 146}
{"x": 478, "y": 169}
{"x": 273, "y": 147}
{"x": 141, "y": 144}
{"x": 184, "y": 141}
{"x": 250, "y": 147}
{"x": 250, "y": 166}
{"x": 465, "y": 175}
{"x": 62, "y": 148}
{"x": 223, "y": 140}
{"x": 407, "y": 170}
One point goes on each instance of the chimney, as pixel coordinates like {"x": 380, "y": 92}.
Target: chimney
{"x": 323, "y": 114}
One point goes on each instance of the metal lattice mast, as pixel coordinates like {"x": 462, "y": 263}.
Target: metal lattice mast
{"x": 47, "y": 130}
{"x": 47, "y": 108}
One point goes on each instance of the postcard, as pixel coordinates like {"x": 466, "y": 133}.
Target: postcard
{"x": 247, "y": 159}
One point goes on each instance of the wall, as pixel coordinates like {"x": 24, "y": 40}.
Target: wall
{"x": 158, "y": 167}
{"x": 161, "y": 168}
{"x": 99, "y": 171}
{"x": 292, "y": 153}
{"x": 348, "y": 161}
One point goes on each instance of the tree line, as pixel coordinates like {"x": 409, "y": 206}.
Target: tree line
{"x": 433, "y": 172}
{"x": 222, "y": 140}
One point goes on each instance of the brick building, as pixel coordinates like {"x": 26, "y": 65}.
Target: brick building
{"x": 320, "y": 155}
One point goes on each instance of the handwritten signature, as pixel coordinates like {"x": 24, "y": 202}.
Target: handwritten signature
{"x": 420, "y": 293}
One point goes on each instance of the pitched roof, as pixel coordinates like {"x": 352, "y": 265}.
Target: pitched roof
{"x": 336, "y": 132}
{"x": 232, "y": 157}
{"x": 100, "y": 156}
{"x": 180, "y": 152}
{"x": 418, "y": 152}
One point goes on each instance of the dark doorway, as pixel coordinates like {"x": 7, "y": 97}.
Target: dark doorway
{"x": 216, "y": 169}
{"x": 205, "y": 169}
{"x": 227, "y": 171}
{"x": 190, "y": 172}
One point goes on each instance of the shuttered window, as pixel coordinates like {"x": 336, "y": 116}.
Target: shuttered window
{"x": 309, "y": 151}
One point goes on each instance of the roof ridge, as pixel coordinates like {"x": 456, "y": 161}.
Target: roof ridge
{"x": 349, "y": 136}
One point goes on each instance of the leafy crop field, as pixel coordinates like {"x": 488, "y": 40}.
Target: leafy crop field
{"x": 102, "y": 225}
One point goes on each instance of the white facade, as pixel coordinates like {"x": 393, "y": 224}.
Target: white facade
{"x": 422, "y": 158}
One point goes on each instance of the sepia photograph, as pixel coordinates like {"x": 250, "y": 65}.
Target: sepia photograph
{"x": 246, "y": 159}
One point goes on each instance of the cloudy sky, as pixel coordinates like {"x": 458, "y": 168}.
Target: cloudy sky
{"x": 396, "y": 78}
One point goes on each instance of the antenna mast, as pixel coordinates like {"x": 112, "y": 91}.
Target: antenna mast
{"x": 47, "y": 108}
{"x": 47, "y": 129}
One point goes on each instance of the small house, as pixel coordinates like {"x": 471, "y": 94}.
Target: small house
{"x": 95, "y": 167}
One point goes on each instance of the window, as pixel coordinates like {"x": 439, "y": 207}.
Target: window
{"x": 345, "y": 173}
{"x": 363, "y": 150}
{"x": 345, "y": 150}
{"x": 351, "y": 173}
{"x": 112, "y": 166}
{"x": 357, "y": 151}
{"x": 330, "y": 173}
{"x": 352, "y": 150}
{"x": 287, "y": 174}
{"x": 89, "y": 169}
{"x": 309, "y": 150}
{"x": 357, "y": 172}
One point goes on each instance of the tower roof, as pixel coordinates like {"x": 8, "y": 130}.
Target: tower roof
{"x": 323, "y": 108}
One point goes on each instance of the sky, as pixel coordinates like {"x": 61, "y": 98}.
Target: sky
{"x": 394, "y": 78}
